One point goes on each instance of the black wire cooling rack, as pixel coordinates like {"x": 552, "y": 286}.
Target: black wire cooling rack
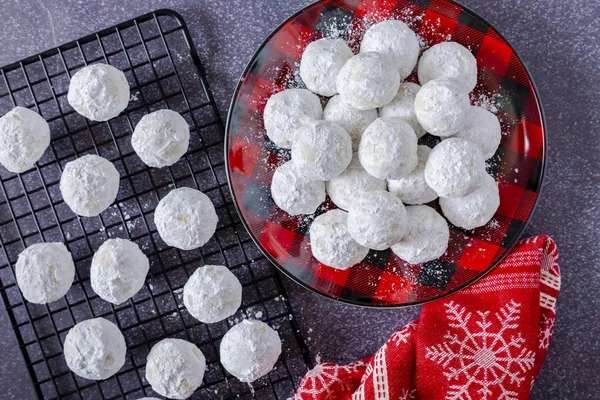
{"x": 158, "y": 57}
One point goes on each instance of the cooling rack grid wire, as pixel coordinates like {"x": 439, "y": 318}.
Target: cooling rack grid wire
{"x": 158, "y": 57}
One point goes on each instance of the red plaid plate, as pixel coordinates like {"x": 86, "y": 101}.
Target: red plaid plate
{"x": 382, "y": 279}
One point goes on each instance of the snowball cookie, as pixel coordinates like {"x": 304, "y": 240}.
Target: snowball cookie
{"x": 353, "y": 182}
{"x": 95, "y": 349}
{"x": 475, "y": 209}
{"x": 44, "y": 272}
{"x": 441, "y": 107}
{"x": 294, "y": 193}
{"x": 412, "y": 189}
{"x": 321, "y": 62}
{"x": 24, "y": 136}
{"x": 377, "y": 220}
{"x": 426, "y": 238}
{"x": 449, "y": 60}
{"x": 175, "y": 368}
{"x": 353, "y": 120}
{"x": 287, "y": 111}
{"x": 403, "y": 107}
{"x": 161, "y": 138}
{"x": 118, "y": 270}
{"x": 99, "y": 92}
{"x": 322, "y": 150}
{"x": 482, "y": 128}
{"x": 454, "y": 168}
{"x": 250, "y": 349}
{"x": 388, "y": 149}
{"x": 396, "y": 40}
{"x": 368, "y": 81}
{"x": 185, "y": 218}
{"x": 212, "y": 294}
{"x": 331, "y": 243}
{"x": 89, "y": 185}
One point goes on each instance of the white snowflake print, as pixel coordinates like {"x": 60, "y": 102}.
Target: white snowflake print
{"x": 488, "y": 360}
{"x": 545, "y": 334}
{"x": 322, "y": 377}
{"x": 402, "y": 335}
{"x": 408, "y": 394}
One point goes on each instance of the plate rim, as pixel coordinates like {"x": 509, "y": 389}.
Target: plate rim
{"x": 509, "y": 247}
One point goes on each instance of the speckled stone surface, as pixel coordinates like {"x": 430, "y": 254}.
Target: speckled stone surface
{"x": 558, "y": 42}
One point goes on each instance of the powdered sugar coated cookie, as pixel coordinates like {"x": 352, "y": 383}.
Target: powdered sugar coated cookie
{"x": 287, "y": 111}
{"x": 161, "y": 138}
{"x": 294, "y": 193}
{"x": 352, "y": 183}
{"x": 449, "y": 60}
{"x": 412, "y": 189}
{"x": 175, "y": 368}
{"x": 454, "y": 168}
{"x": 368, "y": 81}
{"x": 99, "y": 92}
{"x": 426, "y": 238}
{"x": 24, "y": 136}
{"x": 118, "y": 270}
{"x": 321, "y": 62}
{"x": 441, "y": 107}
{"x": 322, "y": 150}
{"x": 388, "y": 149}
{"x": 331, "y": 242}
{"x": 353, "y": 120}
{"x": 482, "y": 128}
{"x": 185, "y": 218}
{"x": 377, "y": 220}
{"x": 403, "y": 107}
{"x": 475, "y": 209}
{"x": 250, "y": 349}
{"x": 44, "y": 272}
{"x": 89, "y": 185}
{"x": 396, "y": 40}
{"x": 95, "y": 349}
{"x": 212, "y": 294}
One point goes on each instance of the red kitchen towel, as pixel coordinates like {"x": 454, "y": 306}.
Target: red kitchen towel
{"x": 486, "y": 342}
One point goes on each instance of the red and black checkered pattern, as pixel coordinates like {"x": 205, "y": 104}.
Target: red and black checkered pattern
{"x": 382, "y": 279}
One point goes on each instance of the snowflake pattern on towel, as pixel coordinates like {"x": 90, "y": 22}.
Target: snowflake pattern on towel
{"x": 545, "y": 334}
{"x": 489, "y": 360}
{"x": 326, "y": 379}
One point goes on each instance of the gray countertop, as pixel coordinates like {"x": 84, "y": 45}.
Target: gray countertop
{"x": 557, "y": 40}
